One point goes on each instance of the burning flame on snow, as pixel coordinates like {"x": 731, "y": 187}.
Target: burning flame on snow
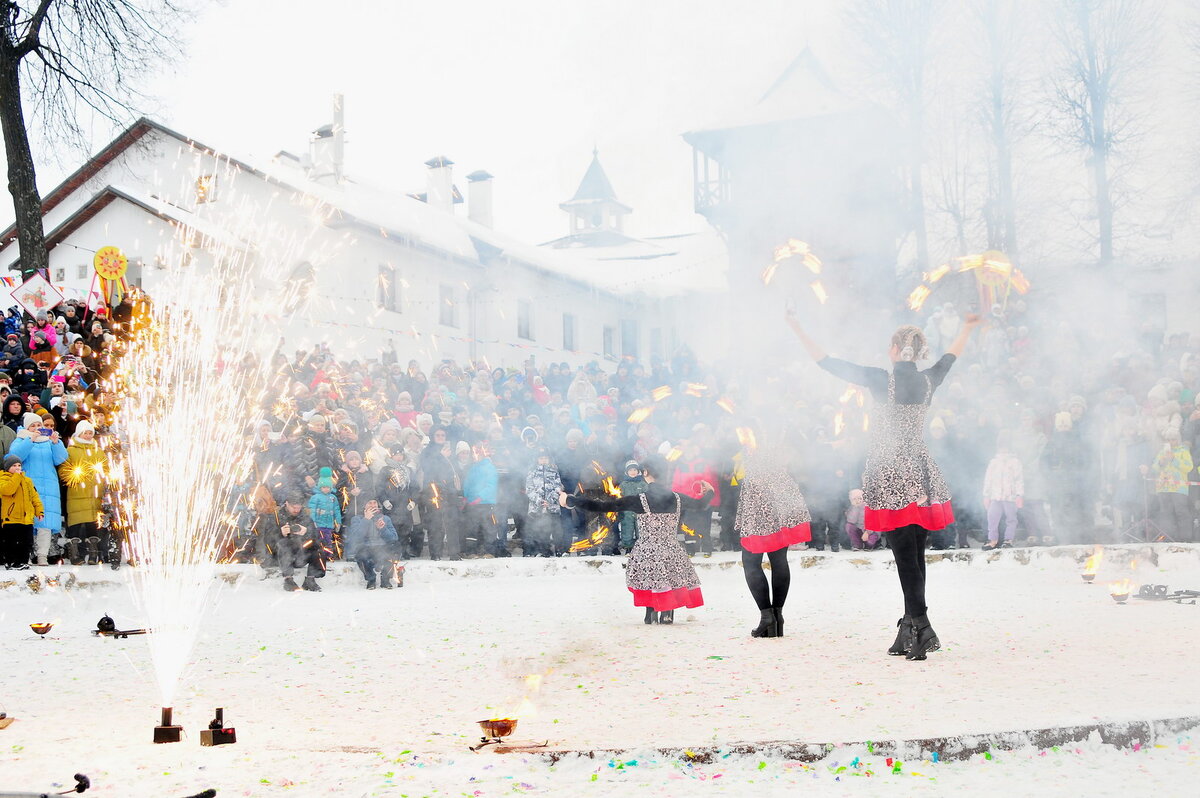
{"x": 1122, "y": 587}
{"x": 1092, "y": 563}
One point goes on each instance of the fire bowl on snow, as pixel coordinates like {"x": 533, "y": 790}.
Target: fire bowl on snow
{"x": 41, "y": 628}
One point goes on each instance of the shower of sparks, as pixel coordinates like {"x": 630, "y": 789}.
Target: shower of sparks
{"x": 196, "y": 366}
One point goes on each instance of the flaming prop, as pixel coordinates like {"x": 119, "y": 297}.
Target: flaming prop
{"x": 795, "y": 248}
{"x": 995, "y": 274}
{"x": 1120, "y": 590}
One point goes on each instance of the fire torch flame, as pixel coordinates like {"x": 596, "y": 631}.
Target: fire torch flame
{"x": 745, "y": 437}
{"x": 726, "y": 405}
{"x": 640, "y": 415}
{"x": 819, "y": 290}
{"x": 918, "y": 296}
{"x": 660, "y": 393}
{"x": 1092, "y": 564}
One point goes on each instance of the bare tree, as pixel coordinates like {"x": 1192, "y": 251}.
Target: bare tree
{"x": 72, "y": 60}
{"x": 896, "y": 41}
{"x": 1105, "y": 47}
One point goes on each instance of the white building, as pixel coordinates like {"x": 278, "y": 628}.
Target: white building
{"x": 369, "y": 265}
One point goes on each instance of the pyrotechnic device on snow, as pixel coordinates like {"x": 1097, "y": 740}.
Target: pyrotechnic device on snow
{"x": 495, "y": 730}
{"x": 107, "y": 627}
{"x": 166, "y": 731}
{"x": 217, "y": 733}
{"x": 42, "y": 628}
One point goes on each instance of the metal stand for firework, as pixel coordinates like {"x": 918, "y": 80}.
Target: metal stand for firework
{"x": 1140, "y": 531}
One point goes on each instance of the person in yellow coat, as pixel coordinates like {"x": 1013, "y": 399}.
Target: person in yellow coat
{"x": 83, "y": 474}
{"x": 20, "y": 506}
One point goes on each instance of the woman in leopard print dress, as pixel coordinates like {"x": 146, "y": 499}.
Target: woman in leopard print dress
{"x": 905, "y": 493}
{"x": 771, "y": 515}
{"x": 658, "y": 574}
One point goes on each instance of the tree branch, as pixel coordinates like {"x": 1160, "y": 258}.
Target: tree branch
{"x": 30, "y": 41}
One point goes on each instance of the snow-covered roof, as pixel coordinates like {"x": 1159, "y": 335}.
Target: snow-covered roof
{"x": 803, "y": 90}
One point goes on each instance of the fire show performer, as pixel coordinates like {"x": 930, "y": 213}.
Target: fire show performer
{"x": 659, "y": 573}
{"x": 771, "y": 515}
{"x": 905, "y": 493}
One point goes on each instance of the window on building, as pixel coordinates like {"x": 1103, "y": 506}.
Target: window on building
{"x": 569, "y": 332}
{"x": 609, "y": 350}
{"x": 525, "y": 319}
{"x": 447, "y": 306}
{"x": 81, "y": 271}
{"x": 206, "y": 189}
{"x": 60, "y": 273}
{"x": 656, "y": 343}
{"x": 629, "y": 338}
{"x": 388, "y": 289}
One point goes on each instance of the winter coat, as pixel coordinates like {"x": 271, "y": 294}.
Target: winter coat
{"x": 7, "y": 436}
{"x": 14, "y": 421}
{"x": 84, "y": 487}
{"x": 688, "y": 477}
{"x": 542, "y": 485}
{"x": 325, "y": 510}
{"x": 364, "y": 535}
{"x": 41, "y": 460}
{"x": 1004, "y": 480}
{"x": 19, "y": 500}
{"x": 482, "y": 483}
{"x": 368, "y": 489}
{"x": 632, "y": 487}
{"x": 308, "y": 456}
{"x": 15, "y": 351}
{"x": 396, "y": 488}
{"x": 437, "y": 471}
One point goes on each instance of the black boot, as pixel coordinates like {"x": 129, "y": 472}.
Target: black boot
{"x": 767, "y": 625}
{"x": 290, "y": 585}
{"x": 903, "y": 644}
{"x": 651, "y": 615}
{"x": 667, "y": 617}
{"x": 779, "y": 621}
{"x": 73, "y": 551}
{"x": 93, "y": 550}
{"x": 311, "y": 584}
{"x": 924, "y": 639}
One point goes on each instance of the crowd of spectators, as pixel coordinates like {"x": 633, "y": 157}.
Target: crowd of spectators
{"x": 466, "y": 460}
{"x": 1044, "y": 438}
{"x": 56, "y": 419}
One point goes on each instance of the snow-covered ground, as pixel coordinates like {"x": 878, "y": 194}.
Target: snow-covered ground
{"x": 350, "y": 692}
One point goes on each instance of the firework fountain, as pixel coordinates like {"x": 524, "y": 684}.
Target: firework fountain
{"x": 193, "y": 376}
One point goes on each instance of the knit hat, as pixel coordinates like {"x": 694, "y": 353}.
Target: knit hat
{"x": 462, "y": 446}
{"x": 325, "y": 480}
{"x": 10, "y": 460}
{"x": 84, "y": 426}
{"x": 31, "y": 420}
{"x": 632, "y": 464}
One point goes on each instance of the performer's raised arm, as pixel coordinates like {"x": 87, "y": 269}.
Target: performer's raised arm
{"x": 810, "y": 346}
{"x": 960, "y": 343}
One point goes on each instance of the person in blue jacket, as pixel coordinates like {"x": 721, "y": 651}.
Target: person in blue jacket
{"x": 480, "y": 489}
{"x": 42, "y": 452}
{"x": 370, "y": 541}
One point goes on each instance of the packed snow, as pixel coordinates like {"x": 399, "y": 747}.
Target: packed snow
{"x": 355, "y": 692}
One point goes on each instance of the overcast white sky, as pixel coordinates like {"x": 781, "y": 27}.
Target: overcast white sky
{"x": 522, "y": 88}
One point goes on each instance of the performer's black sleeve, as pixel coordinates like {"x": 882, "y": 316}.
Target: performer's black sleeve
{"x": 937, "y": 372}
{"x": 625, "y": 504}
{"x": 873, "y": 378}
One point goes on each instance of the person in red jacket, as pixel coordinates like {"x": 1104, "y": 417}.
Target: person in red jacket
{"x": 692, "y": 471}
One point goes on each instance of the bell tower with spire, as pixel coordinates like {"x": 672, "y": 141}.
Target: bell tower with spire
{"x": 595, "y": 211}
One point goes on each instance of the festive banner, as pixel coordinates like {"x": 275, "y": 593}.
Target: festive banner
{"x": 37, "y": 295}
{"x": 111, "y": 264}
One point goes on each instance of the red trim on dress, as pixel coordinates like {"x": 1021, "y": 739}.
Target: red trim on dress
{"x": 932, "y": 517}
{"x": 761, "y": 544}
{"x": 666, "y": 600}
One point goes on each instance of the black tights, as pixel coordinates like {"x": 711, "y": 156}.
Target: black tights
{"x": 781, "y": 578}
{"x": 908, "y": 547}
